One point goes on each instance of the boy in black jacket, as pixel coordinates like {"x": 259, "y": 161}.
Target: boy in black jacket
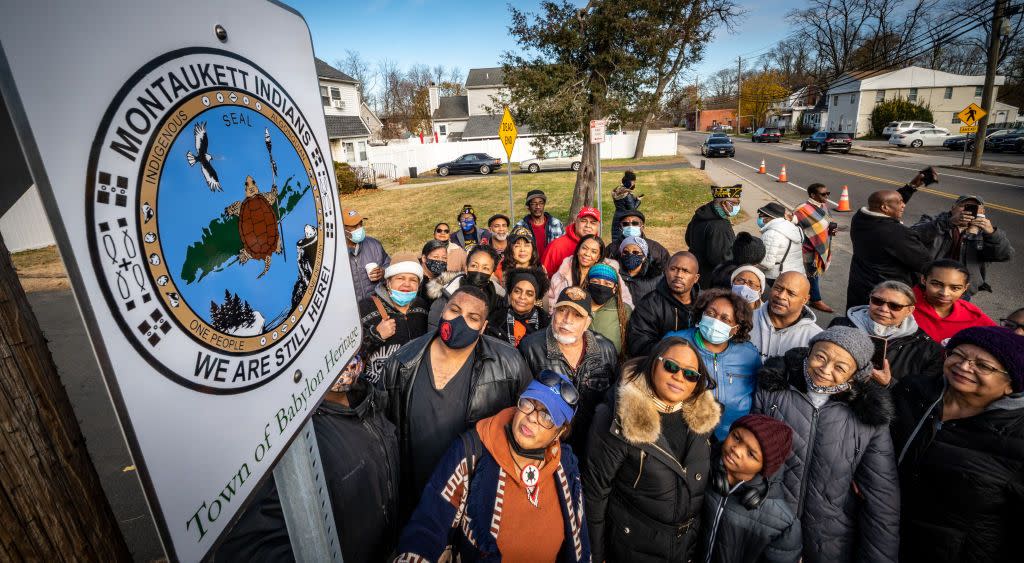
{"x": 743, "y": 522}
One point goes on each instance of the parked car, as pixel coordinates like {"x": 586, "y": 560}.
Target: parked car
{"x": 721, "y": 128}
{"x": 472, "y": 163}
{"x": 828, "y": 140}
{"x": 718, "y": 134}
{"x": 956, "y": 142}
{"x": 919, "y": 138}
{"x": 766, "y": 135}
{"x": 552, "y": 160}
{"x": 901, "y": 126}
{"x": 996, "y": 142}
{"x": 718, "y": 146}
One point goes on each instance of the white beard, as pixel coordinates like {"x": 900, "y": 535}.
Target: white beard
{"x": 500, "y": 237}
{"x": 566, "y": 340}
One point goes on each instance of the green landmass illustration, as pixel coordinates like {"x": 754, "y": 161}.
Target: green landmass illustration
{"x": 220, "y": 243}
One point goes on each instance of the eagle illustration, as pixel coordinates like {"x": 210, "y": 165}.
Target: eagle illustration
{"x": 204, "y": 158}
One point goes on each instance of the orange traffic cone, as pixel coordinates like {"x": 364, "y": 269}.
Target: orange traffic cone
{"x": 844, "y": 200}
{"x": 782, "y": 175}
{"x": 761, "y": 170}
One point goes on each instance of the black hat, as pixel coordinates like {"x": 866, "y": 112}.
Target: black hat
{"x": 498, "y": 216}
{"x": 575, "y": 297}
{"x": 747, "y": 249}
{"x": 774, "y": 210}
{"x": 535, "y": 193}
{"x": 633, "y": 213}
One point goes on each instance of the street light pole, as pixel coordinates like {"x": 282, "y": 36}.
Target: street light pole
{"x": 988, "y": 93}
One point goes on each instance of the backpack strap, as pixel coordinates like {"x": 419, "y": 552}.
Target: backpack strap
{"x": 380, "y": 308}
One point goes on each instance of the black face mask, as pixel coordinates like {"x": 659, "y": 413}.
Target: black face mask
{"x": 600, "y": 294}
{"x": 478, "y": 279}
{"x": 631, "y": 261}
{"x": 436, "y": 267}
{"x": 537, "y": 453}
{"x": 457, "y": 334}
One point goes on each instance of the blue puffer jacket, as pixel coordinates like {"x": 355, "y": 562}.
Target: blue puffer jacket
{"x": 735, "y": 371}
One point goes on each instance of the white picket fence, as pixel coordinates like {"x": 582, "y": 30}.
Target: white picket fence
{"x": 427, "y": 156}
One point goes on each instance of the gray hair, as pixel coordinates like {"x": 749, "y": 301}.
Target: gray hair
{"x": 897, "y": 286}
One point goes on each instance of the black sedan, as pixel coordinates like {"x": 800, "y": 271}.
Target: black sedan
{"x": 472, "y": 163}
{"x": 1004, "y": 141}
{"x": 828, "y": 140}
{"x": 718, "y": 146}
{"x": 957, "y": 143}
{"x": 766, "y": 135}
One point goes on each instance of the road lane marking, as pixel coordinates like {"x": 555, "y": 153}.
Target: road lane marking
{"x": 944, "y": 174}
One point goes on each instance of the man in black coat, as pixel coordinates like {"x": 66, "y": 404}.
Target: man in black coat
{"x": 883, "y": 247}
{"x": 667, "y": 308}
{"x": 440, "y": 384}
{"x": 359, "y": 452}
{"x": 709, "y": 234}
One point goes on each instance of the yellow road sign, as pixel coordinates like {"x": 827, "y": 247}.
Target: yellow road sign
{"x": 507, "y": 132}
{"x": 971, "y": 114}
{"x": 968, "y": 128}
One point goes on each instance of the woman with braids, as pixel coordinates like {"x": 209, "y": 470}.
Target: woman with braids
{"x": 520, "y": 313}
{"x": 574, "y": 269}
{"x": 610, "y": 312}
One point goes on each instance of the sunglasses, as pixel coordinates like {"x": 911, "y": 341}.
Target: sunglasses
{"x": 637, "y": 253}
{"x": 566, "y": 389}
{"x": 1012, "y": 325}
{"x": 894, "y": 307}
{"x": 631, "y": 224}
{"x": 442, "y": 231}
{"x": 673, "y": 368}
{"x": 826, "y": 194}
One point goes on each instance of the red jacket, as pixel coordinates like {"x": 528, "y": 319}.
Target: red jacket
{"x": 560, "y": 248}
{"x": 965, "y": 314}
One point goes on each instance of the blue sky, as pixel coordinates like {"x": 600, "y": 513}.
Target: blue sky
{"x": 470, "y": 34}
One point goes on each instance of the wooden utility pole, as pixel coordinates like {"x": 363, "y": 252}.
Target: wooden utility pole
{"x": 52, "y": 507}
{"x": 739, "y": 95}
{"x": 988, "y": 93}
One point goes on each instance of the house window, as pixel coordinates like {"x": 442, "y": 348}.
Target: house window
{"x": 879, "y": 96}
{"x": 348, "y": 150}
{"x": 325, "y": 97}
{"x": 362, "y": 150}
{"x": 977, "y": 91}
{"x": 913, "y": 95}
{"x": 336, "y": 98}
{"x": 442, "y": 129}
{"x": 948, "y": 94}
{"x": 955, "y": 119}
{"x": 835, "y": 100}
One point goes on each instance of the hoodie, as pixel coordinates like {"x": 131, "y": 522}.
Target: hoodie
{"x": 783, "y": 243}
{"x": 559, "y": 248}
{"x": 709, "y": 237}
{"x": 772, "y": 342}
{"x": 965, "y": 314}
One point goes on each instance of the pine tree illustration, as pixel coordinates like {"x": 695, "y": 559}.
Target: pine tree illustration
{"x": 248, "y": 316}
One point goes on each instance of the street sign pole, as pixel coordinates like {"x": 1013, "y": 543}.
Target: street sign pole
{"x": 963, "y": 159}
{"x": 511, "y": 208}
{"x": 507, "y": 133}
{"x": 597, "y": 128}
{"x": 600, "y": 221}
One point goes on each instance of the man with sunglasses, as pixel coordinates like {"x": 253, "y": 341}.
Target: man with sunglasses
{"x": 819, "y": 228}
{"x": 506, "y": 490}
{"x": 632, "y": 223}
{"x": 568, "y": 346}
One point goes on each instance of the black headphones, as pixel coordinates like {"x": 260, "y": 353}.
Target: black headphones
{"x": 750, "y": 499}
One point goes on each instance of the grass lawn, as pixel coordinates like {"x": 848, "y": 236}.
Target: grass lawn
{"x": 403, "y": 219}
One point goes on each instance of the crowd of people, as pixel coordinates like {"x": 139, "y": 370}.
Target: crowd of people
{"x": 530, "y": 391}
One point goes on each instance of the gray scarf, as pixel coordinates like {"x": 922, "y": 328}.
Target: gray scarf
{"x": 829, "y": 390}
{"x": 861, "y": 319}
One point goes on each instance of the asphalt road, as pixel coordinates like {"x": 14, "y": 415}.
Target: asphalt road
{"x": 864, "y": 175}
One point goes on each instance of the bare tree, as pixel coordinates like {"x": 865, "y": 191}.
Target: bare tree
{"x": 359, "y": 68}
{"x": 834, "y": 29}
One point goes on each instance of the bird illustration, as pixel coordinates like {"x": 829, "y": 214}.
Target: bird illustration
{"x": 203, "y": 157}
{"x": 173, "y": 298}
{"x": 162, "y": 280}
{"x": 147, "y": 211}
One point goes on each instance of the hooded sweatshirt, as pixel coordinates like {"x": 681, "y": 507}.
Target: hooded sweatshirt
{"x": 772, "y": 342}
{"x": 559, "y": 248}
{"x": 964, "y": 314}
{"x": 783, "y": 243}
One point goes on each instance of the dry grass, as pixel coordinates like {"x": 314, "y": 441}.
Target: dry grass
{"x": 404, "y": 219}
{"x": 41, "y": 270}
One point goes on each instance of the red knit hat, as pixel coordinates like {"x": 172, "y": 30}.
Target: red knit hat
{"x": 774, "y": 436}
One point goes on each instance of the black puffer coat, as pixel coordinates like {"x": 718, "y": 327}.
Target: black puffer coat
{"x": 594, "y": 375}
{"x": 962, "y": 485}
{"x": 655, "y": 316}
{"x": 907, "y": 355}
{"x": 841, "y": 477}
{"x": 734, "y": 533}
{"x": 709, "y": 237}
{"x": 643, "y": 503}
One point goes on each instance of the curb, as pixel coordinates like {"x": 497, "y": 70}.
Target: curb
{"x": 985, "y": 171}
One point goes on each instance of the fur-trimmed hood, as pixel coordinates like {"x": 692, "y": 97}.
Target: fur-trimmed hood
{"x": 446, "y": 284}
{"x": 640, "y": 420}
{"x": 870, "y": 402}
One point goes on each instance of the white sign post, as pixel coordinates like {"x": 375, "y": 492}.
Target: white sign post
{"x": 597, "y": 128}
{"x": 181, "y": 153}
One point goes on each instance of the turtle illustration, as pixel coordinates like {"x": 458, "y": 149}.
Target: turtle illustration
{"x": 257, "y": 224}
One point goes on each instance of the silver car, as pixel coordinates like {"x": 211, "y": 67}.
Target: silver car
{"x": 552, "y": 160}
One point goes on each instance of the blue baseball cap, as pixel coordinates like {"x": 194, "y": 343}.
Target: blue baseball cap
{"x": 558, "y": 395}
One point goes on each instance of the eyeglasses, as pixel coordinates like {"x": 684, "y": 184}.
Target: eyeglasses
{"x": 1012, "y": 325}
{"x": 825, "y": 194}
{"x": 673, "y": 368}
{"x": 442, "y": 231}
{"x": 637, "y": 253}
{"x": 894, "y": 307}
{"x": 979, "y": 367}
{"x": 528, "y": 407}
{"x": 566, "y": 389}
{"x": 631, "y": 224}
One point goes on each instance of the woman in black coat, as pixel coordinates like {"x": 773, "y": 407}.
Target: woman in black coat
{"x": 649, "y": 458}
{"x": 960, "y": 441}
{"x": 889, "y": 315}
{"x": 841, "y": 478}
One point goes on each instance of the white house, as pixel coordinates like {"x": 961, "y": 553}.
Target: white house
{"x": 466, "y": 118}
{"x": 788, "y": 113}
{"x": 853, "y": 95}
{"x": 346, "y": 115}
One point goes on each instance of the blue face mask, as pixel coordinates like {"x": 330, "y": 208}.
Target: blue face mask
{"x": 402, "y": 298}
{"x": 714, "y": 330}
{"x": 749, "y": 294}
{"x": 468, "y": 225}
{"x": 735, "y": 210}
{"x": 761, "y": 222}
{"x": 631, "y": 231}
{"x": 631, "y": 261}
{"x": 357, "y": 236}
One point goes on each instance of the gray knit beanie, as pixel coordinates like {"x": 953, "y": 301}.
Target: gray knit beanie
{"x": 856, "y": 342}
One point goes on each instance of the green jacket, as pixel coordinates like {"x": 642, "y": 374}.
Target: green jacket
{"x": 606, "y": 322}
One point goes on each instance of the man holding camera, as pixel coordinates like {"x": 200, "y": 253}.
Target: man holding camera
{"x": 966, "y": 235}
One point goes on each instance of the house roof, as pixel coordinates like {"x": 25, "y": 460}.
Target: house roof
{"x": 342, "y": 126}
{"x": 486, "y": 127}
{"x": 324, "y": 70}
{"x": 452, "y": 107}
{"x": 907, "y": 77}
{"x": 485, "y": 77}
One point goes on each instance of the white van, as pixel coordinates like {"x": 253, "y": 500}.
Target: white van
{"x": 901, "y": 126}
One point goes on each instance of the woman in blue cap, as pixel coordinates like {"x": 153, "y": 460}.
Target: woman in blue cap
{"x": 508, "y": 489}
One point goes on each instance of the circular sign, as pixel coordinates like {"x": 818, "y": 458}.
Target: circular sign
{"x": 211, "y": 220}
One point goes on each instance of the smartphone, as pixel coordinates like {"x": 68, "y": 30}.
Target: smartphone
{"x": 972, "y": 209}
{"x": 881, "y": 345}
{"x": 929, "y": 176}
